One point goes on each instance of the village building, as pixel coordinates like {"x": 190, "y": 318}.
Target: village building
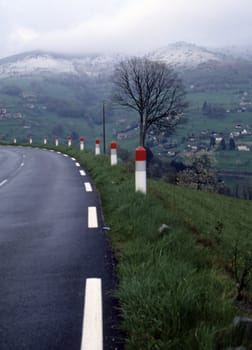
{"x": 243, "y": 148}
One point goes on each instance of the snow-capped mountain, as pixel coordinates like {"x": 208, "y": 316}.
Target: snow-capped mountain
{"x": 185, "y": 55}
{"x": 179, "y": 55}
{"x": 44, "y": 63}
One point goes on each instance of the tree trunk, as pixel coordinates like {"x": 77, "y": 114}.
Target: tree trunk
{"x": 142, "y": 133}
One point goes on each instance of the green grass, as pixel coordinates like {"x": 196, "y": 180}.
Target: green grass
{"x": 175, "y": 289}
{"x": 234, "y": 161}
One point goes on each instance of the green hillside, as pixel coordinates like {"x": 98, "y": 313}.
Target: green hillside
{"x": 183, "y": 260}
{"x": 220, "y": 103}
{"x": 75, "y": 104}
{"x": 61, "y": 106}
{"x": 48, "y": 107}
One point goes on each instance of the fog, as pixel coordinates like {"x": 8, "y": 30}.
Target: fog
{"x": 127, "y": 26}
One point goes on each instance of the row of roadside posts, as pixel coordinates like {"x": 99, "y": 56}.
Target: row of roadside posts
{"x": 140, "y": 159}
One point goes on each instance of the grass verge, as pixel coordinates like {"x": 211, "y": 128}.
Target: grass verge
{"x": 176, "y": 286}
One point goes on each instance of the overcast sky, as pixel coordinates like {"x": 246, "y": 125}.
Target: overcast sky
{"x": 132, "y": 26}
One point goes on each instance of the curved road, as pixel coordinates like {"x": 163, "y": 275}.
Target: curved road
{"x": 49, "y": 246}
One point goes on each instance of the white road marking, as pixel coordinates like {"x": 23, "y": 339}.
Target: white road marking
{"x": 3, "y": 182}
{"x": 88, "y": 187}
{"x": 58, "y": 152}
{"x": 82, "y": 173}
{"x": 22, "y": 164}
{"x": 52, "y": 150}
{"x": 92, "y": 329}
{"x": 92, "y": 217}
{"x": 65, "y": 155}
{"x": 73, "y": 159}
{"x": 77, "y": 164}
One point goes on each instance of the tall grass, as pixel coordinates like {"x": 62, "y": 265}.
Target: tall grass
{"x": 174, "y": 289}
{"x": 175, "y": 286}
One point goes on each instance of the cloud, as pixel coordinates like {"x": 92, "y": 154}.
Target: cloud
{"x": 125, "y": 25}
{"x": 98, "y": 33}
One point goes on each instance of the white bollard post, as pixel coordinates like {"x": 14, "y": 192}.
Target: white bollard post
{"x": 113, "y": 153}
{"x": 97, "y": 147}
{"x": 14, "y": 139}
{"x": 140, "y": 173}
{"x": 30, "y": 140}
{"x": 56, "y": 141}
{"x": 45, "y": 140}
{"x": 82, "y": 143}
{"x": 69, "y": 141}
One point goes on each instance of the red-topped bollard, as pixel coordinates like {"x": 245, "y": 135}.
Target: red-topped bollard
{"x": 69, "y": 141}
{"x": 14, "y": 139}
{"x": 45, "y": 140}
{"x": 81, "y": 143}
{"x": 97, "y": 147}
{"x": 140, "y": 173}
{"x": 113, "y": 153}
{"x": 56, "y": 141}
{"x": 30, "y": 139}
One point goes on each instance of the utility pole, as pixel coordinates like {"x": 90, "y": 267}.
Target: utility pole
{"x": 104, "y": 129}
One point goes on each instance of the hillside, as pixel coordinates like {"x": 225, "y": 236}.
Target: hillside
{"x": 47, "y": 63}
{"x": 180, "y": 259}
{"x": 180, "y": 55}
{"x": 187, "y": 56}
{"x": 45, "y": 93}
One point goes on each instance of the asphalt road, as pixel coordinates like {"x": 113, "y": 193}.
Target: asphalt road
{"x": 47, "y": 251}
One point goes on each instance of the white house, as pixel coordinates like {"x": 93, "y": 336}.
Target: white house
{"x": 243, "y": 148}
{"x": 218, "y": 139}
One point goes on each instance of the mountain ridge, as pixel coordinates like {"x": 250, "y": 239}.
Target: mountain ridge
{"x": 179, "y": 55}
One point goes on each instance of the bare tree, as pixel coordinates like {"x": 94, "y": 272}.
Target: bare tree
{"x": 153, "y": 90}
